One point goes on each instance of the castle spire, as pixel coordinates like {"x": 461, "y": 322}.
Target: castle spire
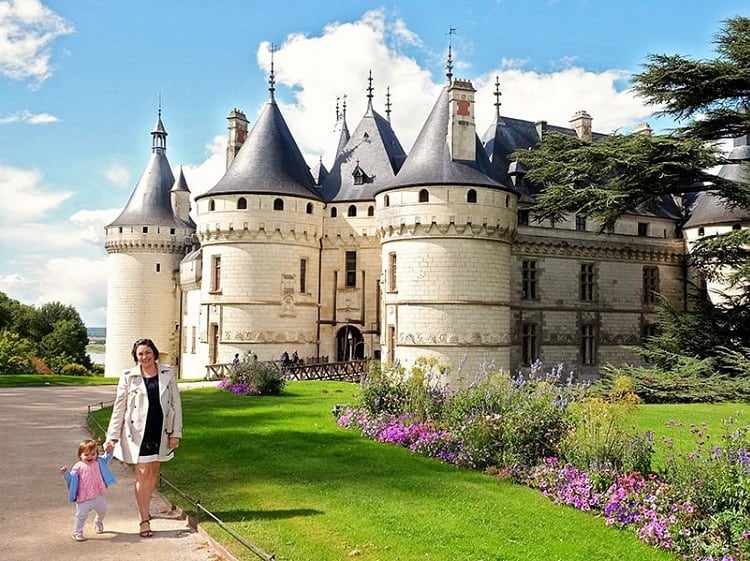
{"x": 159, "y": 134}
{"x": 449, "y": 65}
{"x": 369, "y": 90}
{"x": 272, "y": 76}
{"x": 497, "y": 97}
{"x": 388, "y": 103}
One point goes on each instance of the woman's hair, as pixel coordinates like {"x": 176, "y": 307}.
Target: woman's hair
{"x": 87, "y": 446}
{"x": 149, "y": 343}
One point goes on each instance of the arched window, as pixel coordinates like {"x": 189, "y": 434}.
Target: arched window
{"x": 334, "y": 212}
{"x": 352, "y": 211}
{"x": 241, "y": 203}
{"x": 424, "y": 196}
{"x": 471, "y": 196}
{"x": 211, "y": 205}
{"x": 370, "y": 210}
{"x": 278, "y": 204}
{"x": 309, "y": 208}
{"x": 386, "y": 201}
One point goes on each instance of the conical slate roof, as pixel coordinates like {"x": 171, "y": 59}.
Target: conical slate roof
{"x": 370, "y": 159}
{"x": 710, "y": 208}
{"x": 150, "y": 202}
{"x": 429, "y": 162}
{"x": 180, "y": 185}
{"x": 269, "y": 162}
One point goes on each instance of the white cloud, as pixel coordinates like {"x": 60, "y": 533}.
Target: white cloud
{"x": 74, "y": 281}
{"x": 357, "y": 48}
{"x": 118, "y": 175}
{"x": 555, "y": 97}
{"x": 27, "y": 31}
{"x": 23, "y": 197}
{"x": 373, "y": 43}
{"x": 200, "y": 178}
{"x": 28, "y": 117}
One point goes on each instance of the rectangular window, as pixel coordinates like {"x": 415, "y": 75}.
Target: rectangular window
{"x": 586, "y": 284}
{"x": 588, "y": 344}
{"x": 193, "y": 339}
{"x": 528, "y": 279}
{"x": 216, "y": 273}
{"x": 523, "y": 217}
{"x": 158, "y": 267}
{"x": 643, "y": 229}
{"x": 580, "y": 222}
{"x": 529, "y": 344}
{"x": 351, "y": 269}
{"x": 303, "y": 275}
{"x": 650, "y": 284}
{"x": 392, "y": 272}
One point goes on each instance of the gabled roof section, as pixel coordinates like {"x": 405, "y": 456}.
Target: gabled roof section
{"x": 429, "y": 162}
{"x": 150, "y": 202}
{"x": 374, "y": 152}
{"x": 269, "y": 162}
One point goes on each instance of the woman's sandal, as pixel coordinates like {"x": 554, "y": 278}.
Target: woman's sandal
{"x": 145, "y": 531}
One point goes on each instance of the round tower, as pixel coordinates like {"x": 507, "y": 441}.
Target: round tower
{"x": 446, "y": 228}
{"x": 145, "y": 244}
{"x": 259, "y": 229}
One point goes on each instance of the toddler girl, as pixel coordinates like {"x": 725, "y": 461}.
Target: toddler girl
{"x": 87, "y": 480}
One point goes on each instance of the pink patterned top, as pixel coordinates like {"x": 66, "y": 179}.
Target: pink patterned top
{"x": 90, "y": 481}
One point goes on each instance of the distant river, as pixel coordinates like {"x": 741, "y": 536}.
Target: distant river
{"x": 97, "y": 357}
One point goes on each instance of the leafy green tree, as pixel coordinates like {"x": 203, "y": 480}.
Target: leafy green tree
{"x": 67, "y": 338}
{"x": 15, "y": 354}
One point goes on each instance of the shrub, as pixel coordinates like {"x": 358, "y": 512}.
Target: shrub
{"x": 251, "y": 377}
{"x": 599, "y": 441}
{"x": 73, "y": 369}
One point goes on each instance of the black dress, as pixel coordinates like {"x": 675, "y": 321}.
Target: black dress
{"x": 154, "y": 421}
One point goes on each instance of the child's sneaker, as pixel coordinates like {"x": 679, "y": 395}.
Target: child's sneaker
{"x": 79, "y": 537}
{"x": 99, "y": 527}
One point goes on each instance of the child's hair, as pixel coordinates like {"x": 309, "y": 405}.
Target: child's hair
{"x": 87, "y": 446}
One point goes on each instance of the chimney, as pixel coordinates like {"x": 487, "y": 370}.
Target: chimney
{"x": 643, "y": 128}
{"x": 541, "y": 128}
{"x": 581, "y": 123}
{"x": 462, "y": 130}
{"x": 237, "y": 134}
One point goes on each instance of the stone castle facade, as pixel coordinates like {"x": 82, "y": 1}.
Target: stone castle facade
{"x": 389, "y": 255}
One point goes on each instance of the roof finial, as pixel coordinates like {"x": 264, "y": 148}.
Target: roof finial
{"x": 343, "y": 108}
{"x": 272, "y": 77}
{"x": 388, "y": 103}
{"x": 497, "y": 96}
{"x": 337, "y": 108}
{"x": 449, "y": 65}
{"x": 369, "y": 89}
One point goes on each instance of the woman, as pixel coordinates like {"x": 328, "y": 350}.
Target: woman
{"x": 146, "y": 423}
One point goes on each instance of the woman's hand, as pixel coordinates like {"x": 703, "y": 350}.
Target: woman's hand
{"x": 173, "y": 442}
{"x": 109, "y": 446}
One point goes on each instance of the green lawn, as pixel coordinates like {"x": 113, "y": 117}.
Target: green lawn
{"x": 672, "y": 425}
{"x": 29, "y": 380}
{"x": 281, "y": 473}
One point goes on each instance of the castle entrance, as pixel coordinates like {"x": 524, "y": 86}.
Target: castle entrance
{"x": 350, "y": 345}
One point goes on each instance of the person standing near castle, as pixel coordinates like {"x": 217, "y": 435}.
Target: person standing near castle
{"x": 146, "y": 423}
{"x": 87, "y": 482}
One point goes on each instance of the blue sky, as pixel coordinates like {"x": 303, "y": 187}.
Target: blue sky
{"x": 81, "y": 82}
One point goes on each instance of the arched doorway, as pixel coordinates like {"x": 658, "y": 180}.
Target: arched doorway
{"x": 350, "y": 345}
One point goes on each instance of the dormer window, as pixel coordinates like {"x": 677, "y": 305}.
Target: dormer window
{"x": 359, "y": 175}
